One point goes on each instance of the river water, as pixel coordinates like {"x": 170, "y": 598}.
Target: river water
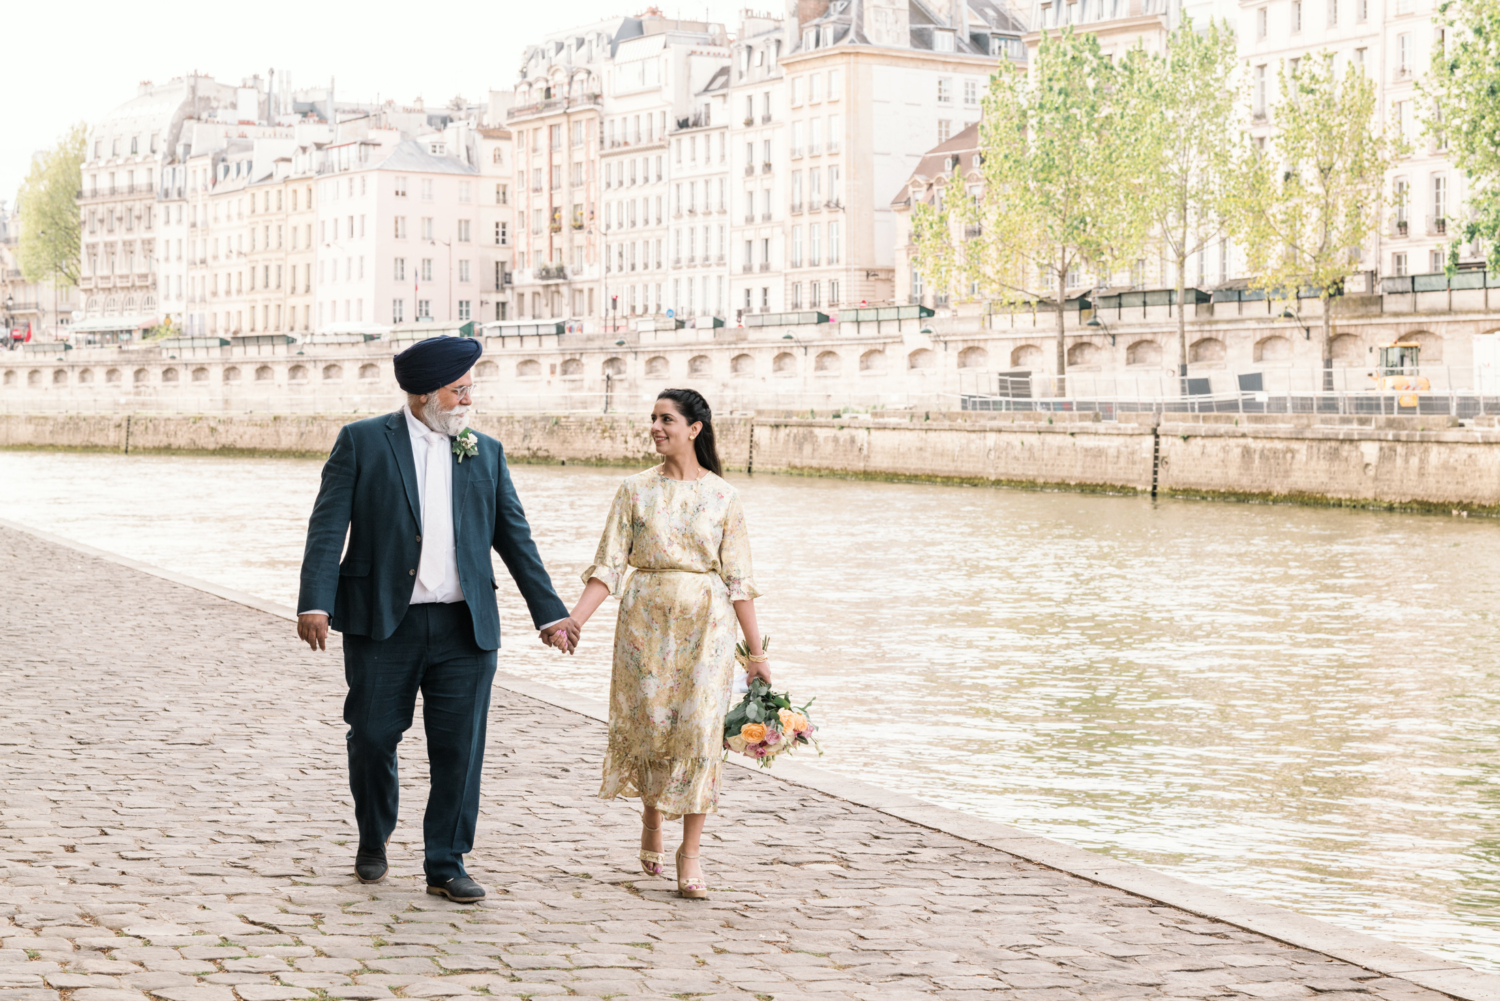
{"x": 1295, "y": 704}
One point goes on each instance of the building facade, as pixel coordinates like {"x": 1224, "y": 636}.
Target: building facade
{"x": 555, "y": 118}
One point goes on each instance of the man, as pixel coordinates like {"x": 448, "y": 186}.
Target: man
{"x": 423, "y": 499}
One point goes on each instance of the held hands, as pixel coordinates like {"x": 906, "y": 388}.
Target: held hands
{"x": 563, "y": 636}
{"x": 312, "y": 629}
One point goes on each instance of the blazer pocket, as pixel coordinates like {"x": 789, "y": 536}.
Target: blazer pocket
{"x": 354, "y": 568}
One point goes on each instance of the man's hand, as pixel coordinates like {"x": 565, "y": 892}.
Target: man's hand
{"x": 564, "y": 635}
{"x": 312, "y": 629}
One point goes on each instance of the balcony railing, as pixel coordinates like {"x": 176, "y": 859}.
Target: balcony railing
{"x": 749, "y": 169}
{"x": 765, "y": 168}
{"x": 1437, "y": 226}
{"x": 553, "y": 104}
{"x": 551, "y": 273}
{"x": 748, "y": 268}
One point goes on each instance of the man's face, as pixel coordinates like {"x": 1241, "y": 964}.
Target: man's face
{"x": 456, "y": 393}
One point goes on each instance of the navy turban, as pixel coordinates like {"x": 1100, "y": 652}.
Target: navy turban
{"x": 429, "y": 365}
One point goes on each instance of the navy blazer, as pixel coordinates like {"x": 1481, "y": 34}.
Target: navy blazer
{"x": 370, "y": 489}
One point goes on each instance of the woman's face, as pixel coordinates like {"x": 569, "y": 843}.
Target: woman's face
{"x": 670, "y": 432}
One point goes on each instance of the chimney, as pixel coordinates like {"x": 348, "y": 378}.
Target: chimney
{"x": 888, "y": 23}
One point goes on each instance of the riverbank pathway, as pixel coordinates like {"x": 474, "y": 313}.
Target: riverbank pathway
{"x": 175, "y": 824}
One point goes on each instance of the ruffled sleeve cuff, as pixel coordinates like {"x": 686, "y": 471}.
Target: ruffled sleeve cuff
{"x": 742, "y": 589}
{"x": 607, "y": 576}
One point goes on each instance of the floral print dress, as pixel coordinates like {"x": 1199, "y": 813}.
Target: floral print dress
{"x": 686, "y": 550}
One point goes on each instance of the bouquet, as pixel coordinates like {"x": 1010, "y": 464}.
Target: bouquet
{"x": 765, "y": 723}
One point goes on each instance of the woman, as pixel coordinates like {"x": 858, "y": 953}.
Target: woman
{"x": 680, "y": 526}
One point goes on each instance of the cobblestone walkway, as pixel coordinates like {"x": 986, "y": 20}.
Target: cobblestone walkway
{"x": 174, "y": 822}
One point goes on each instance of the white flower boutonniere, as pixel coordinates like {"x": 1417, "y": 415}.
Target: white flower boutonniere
{"x": 465, "y": 444}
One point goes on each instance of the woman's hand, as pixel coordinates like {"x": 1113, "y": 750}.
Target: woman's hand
{"x": 760, "y": 669}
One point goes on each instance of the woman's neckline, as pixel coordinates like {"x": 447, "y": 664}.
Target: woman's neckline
{"x": 661, "y": 471}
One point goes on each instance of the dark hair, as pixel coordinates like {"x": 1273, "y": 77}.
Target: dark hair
{"x": 694, "y": 408}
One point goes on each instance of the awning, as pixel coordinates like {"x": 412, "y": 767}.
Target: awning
{"x": 422, "y": 330}
{"x": 107, "y": 324}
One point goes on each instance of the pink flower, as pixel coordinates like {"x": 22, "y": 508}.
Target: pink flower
{"x": 773, "y": 737}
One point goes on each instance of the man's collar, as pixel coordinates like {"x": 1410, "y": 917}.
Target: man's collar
{"x": 413, "y": 425}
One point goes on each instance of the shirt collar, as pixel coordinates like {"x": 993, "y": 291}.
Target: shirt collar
{"x": 415, "y": 427}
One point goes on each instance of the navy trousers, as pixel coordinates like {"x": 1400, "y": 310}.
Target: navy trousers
{"x": 432, "y": 651}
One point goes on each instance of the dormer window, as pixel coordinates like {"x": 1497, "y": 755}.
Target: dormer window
{"x": 942, "y": 40}
{"x": 437, "y": 149}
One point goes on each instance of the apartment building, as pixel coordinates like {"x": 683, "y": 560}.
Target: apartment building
{"x": 757, "y": 144}
{"x": 699, "y": 169}
{"x": 121, "y": 223}
{"x": 875, "y": 86}
{"x": 496, "y": 220}
{"x": 665, "y": 165}
{"x": 555, "y": 118}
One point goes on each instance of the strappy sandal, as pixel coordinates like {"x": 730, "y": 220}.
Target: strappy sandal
{"x": 651, "y": 862}
{"x": 695, "y": 887}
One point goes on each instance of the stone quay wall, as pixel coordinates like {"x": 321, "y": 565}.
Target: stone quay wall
{"x": 1393, "y": 462}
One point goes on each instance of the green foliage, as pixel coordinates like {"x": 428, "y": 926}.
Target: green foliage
{"x": 1062, "y": 173}
{"x": 1308, "y": 201}
{"x": 1061, "y": 180}
{"x": 48, "y": 200}
{"x": 1183, "y": 106}
{"x": 167, "y": 328}
{"x": 1464, "y": 85}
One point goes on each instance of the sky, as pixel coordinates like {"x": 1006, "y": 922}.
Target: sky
{"x": 75, "y": 62}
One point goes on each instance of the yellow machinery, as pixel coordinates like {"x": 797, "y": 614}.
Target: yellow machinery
{"x": 1398, "y": 372}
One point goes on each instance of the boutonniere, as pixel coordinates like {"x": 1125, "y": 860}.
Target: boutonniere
{"x": 465, "y": 444}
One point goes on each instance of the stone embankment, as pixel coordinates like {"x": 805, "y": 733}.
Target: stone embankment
{"x": 175, "y": 825}
{"x": 1413, "y": 463}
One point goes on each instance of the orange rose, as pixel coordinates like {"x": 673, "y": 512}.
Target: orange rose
{"x": 792, "y": 722}
{"x": 753, "y": 733}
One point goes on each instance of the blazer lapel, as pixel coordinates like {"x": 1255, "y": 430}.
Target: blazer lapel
{"x": 400, "y": 439}
{"x": 461, "y": 472}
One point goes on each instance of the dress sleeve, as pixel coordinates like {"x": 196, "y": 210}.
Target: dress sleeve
{"x": 734, "y": 555}
{"x": 613, "y": 555}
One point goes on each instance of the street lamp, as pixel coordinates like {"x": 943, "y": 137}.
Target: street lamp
{"x": 1097, "y": 324}
{"x": 1287, "y": 314}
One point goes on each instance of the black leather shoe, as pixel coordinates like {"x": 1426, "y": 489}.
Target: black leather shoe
{"x": 370, "y": 866}
{"x": 460, "y": 889}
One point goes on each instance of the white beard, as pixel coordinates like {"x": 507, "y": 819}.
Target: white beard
{"x": 449, "y": 422}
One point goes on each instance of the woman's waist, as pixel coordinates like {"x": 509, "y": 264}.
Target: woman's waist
{"x": 672, "y": 570}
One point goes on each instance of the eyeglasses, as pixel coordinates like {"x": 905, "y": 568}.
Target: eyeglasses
{"x": 462, "y": 392}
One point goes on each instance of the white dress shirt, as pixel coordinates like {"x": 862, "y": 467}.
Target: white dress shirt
{"x": 429, "y": 446}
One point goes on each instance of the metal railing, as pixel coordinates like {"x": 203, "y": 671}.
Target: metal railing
{"x": 1430, "y": 390}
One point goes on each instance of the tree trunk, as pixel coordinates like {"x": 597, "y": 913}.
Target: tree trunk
{"x": 1328, "y": 344}
{"x": 1062, "y": 351}
{"x": 1182, "y": 344}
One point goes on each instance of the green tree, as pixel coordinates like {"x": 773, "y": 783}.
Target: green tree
{"x": 1061, "y": 184}
{"x": 48, "y": 202}
{"x": 1308, "y": 200}
{"x": 1184, "y": 104}
{"x": 1463, "y": 83}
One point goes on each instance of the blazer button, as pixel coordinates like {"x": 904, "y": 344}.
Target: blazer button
{"x": 419, "y": 538}
{"x": 411, "y": 573}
